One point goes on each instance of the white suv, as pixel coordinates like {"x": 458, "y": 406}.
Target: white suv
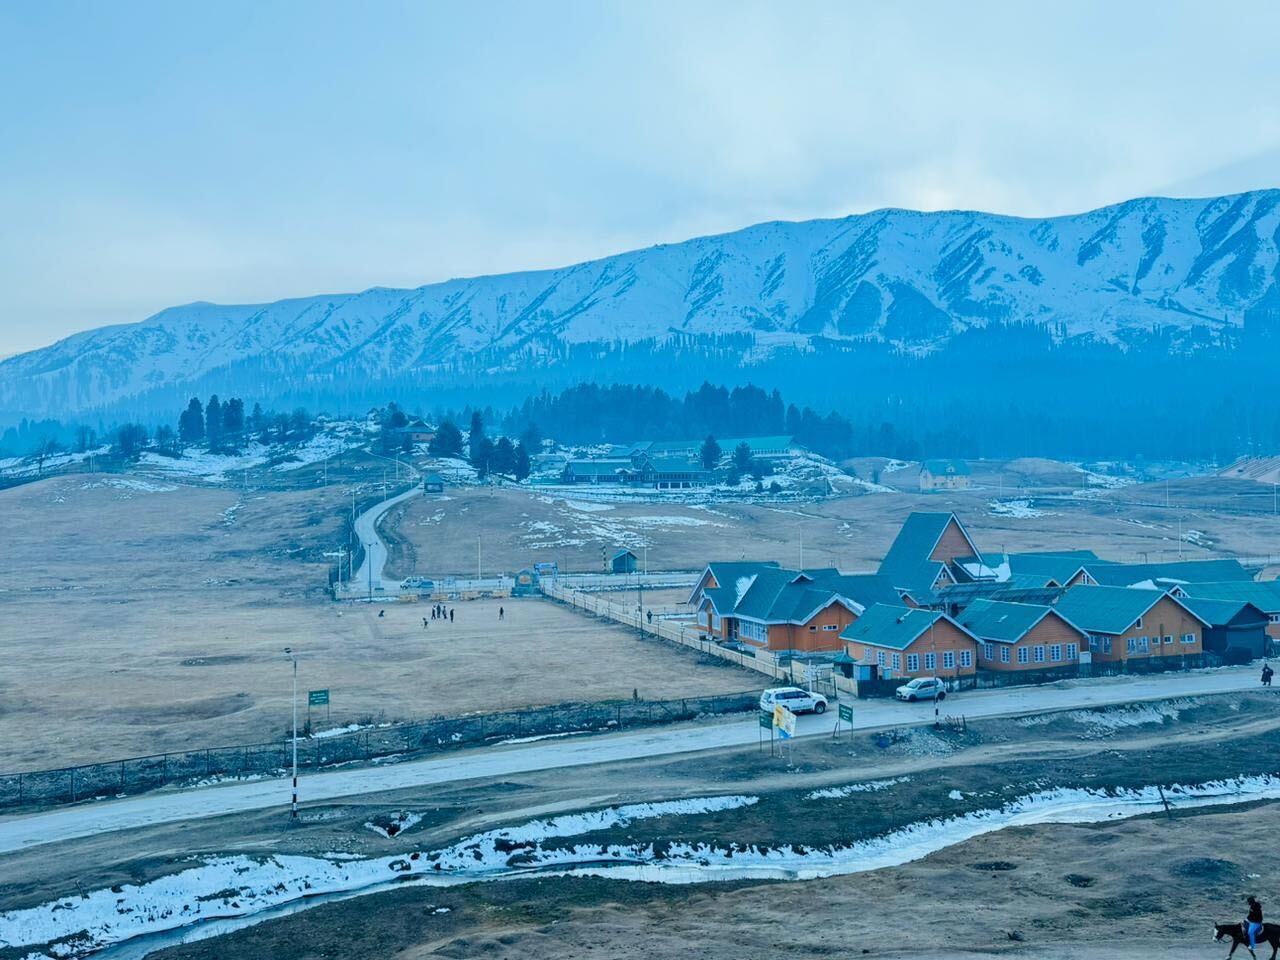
{"x": 794, "y": 699}
{"x": 922, "y": 688}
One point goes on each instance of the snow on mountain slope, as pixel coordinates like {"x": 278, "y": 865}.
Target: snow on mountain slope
{"x": 897, "y": 275}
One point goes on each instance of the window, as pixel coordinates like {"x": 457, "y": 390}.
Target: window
{"x": 1144, "y": 645}
{"x": 966, "y": 658}
{"x": 1039, "y": 653}
{"x": 913, "y": 662}
{"x": 1137, "y": 625}
{"x": 1132, "y": 644}
{"x": 1071, "y": 651}
{"x": 813, "y": 628}
{"x": 930, "y": 661}
{"x": 948, "y": 659}
{"x": 831, "y": 626}
{"x": 1274, "y": 617}
{"x": 897, "y": 661}
{"x": 1188, "y": 638}
{"x": 753, "y": 631}
{"x": 1004, "y": 654}
{"x": 880, "y": 659}
{"x": 1106, "y": 644}
{"x": 1055, "y": 652}
{"x": 1024, "y": 655}
{"x": 715, "y": 622}
{"x": 988, "y": 652}
{"x": 1168, "y": 638}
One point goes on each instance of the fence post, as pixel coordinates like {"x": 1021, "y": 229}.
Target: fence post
{"x": 122, "y": 776}
{"x": 73, "y": 784}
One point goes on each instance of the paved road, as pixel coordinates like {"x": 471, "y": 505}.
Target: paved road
{"x": 68, "y": 823}
{"x": 369, "y": 576}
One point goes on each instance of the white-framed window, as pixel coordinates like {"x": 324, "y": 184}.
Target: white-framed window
{"x": 831, "y": 626}
{"x": 1055, "y": 652}
{"x": 749, "y": 630}
{"x": 1106, "y": 644}
{"x": 1004, "y": 654}
{"x": 1072, "y": 651}
{"x": 1039, "y": 653}
{"x": 1144, "y": 645}
{"x": 1138, "y": 624}
{"x": 813, "y": 628}
{"x": 880, "y": 658}
{"x": 897, "y": 661}
{"x": 988, "y": 652}
{"x": 1168, "y": 638}
{"x": 715, "y": 621}
{"x": 1188, "y": 638}
{"x": 1024, "y": 655}
{"x": 948, "y": 659}
{"x": 1274, "y": 617}
{"x": 966, "y": 658}
{"x": 913, "y": 662}
{"x": 930, "y": 662}
{"x": 1132, "y": 644}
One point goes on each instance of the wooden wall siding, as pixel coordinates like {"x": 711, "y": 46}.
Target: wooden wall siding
{"x": 952, "y": 544}
{"x": 1052, "y": 629}
{"x": 945, "y": 638}
{"x": 1165, "y": 618}
{"x": 800, "y": 637}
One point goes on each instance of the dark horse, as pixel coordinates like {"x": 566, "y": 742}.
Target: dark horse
{"x": 1235, "y": 931}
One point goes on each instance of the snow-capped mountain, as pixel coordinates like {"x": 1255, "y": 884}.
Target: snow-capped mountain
{"x": 902, "y": 276}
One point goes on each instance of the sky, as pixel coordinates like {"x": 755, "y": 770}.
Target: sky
{"x": 159, "y": 153}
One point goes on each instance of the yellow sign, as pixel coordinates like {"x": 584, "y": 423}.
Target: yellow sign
{"x": 784, "y": 720}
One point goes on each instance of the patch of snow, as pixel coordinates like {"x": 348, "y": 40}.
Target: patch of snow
{"x": 1021, "y": 509}
{"x": 869, "y": 786}
{"x": 397, "y": 825}
{"x": 955, "y": 795}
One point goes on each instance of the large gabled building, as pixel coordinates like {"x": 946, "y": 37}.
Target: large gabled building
{"x": 1126, "y": 624}
{"x": 1024, "y": 636}
{"x": 782, "y": 610}
{"x": 905, "y": 642}
{"x": 923, "y": 557}
{"x": 1263, "y": 594}
{"x": 944, "y": 475}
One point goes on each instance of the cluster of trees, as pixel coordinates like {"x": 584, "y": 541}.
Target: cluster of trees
{"x": 223, "y": 425}
{"x": 501, "y": 456}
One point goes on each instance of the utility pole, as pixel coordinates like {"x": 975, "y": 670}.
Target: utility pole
{"x": 368, "y": 562}
{"x": 640, "y": 607}
{"x": 477, "y": 556}
{"x": 294, "y": 657}
{"x": 801, "y": 549}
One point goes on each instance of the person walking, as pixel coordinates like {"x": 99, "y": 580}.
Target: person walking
{"x": 501, "y": 613}
{"x": 424, "y": 623}
{"x": 1267, "y": 673}
{"x": 451, "y": 614}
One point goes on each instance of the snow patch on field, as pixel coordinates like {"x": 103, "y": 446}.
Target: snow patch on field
{"x": 244, "y": 886}
{"x": 320, "y": 447}
{"x": 129, "y": 484}
{"x": 870, "y": 786}
{"x": 1021, "y": 509}
{"x": 1107, "y": 721}
{"x": 396, "y": 824}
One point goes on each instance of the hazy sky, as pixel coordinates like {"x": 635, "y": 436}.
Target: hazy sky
{"x": 153, "y": 154}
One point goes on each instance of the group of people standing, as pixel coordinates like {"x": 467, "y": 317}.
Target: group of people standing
{"x": 438, "y": 612}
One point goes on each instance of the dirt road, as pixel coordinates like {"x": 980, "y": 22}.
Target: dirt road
{"x": 27, "y": 831}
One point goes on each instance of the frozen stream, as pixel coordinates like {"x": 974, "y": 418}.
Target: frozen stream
{"x": 220, "y": 895}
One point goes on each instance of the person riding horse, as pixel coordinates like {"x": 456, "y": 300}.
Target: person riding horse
{"x": 1250, "y": 932}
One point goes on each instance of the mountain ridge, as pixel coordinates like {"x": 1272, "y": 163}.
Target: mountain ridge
{"x": 909, "y": 278}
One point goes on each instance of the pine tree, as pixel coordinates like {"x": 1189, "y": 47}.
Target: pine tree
{"x": 213, "y": 422}
{"x": 711, "y": 452}
{"x": 447, "y": 442}
{"x": 191, "y": 423}
{"x": 742, "y": 457}
{"x": 476, "y": 437}
{"x": 522, "y": 464}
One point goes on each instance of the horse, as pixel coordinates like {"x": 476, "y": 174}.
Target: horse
{"x": 1270, "y": 935}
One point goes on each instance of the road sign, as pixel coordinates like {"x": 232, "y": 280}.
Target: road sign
{"x": 766, "y": 719}
{"x": 810, "y": 673}
{"x": 785, "y": 721}
{"x": 846, "y": 712}
{"x": 317, "y": 698}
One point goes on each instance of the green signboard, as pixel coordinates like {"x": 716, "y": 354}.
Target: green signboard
{"x": 846, "y": 712}
{"x": 318, "y": 698}
{"x": 766, "y": 719}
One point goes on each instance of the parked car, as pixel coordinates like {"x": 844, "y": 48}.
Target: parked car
{"x": 417, "y": 583}
{"x": 794, "y": 699}
{"x": 922, "y": 688}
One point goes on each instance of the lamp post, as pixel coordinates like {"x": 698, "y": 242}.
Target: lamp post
{"x": 288, "y": 652}
{"x": 933, "y": 641}
{"x": 368, "y": 559}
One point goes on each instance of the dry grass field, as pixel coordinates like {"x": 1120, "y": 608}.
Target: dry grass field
{"x": 437, "y": 536}
{"x": 152, "y": 617}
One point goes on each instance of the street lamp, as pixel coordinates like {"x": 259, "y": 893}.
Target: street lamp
{"x": 288, "y": 652}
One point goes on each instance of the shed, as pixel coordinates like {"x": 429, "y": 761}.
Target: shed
{"x": 526, "y": 584}
{"x": 1232, "y": 625}
{"x": 433, "y": 483}
{"x": 623, "y": 561}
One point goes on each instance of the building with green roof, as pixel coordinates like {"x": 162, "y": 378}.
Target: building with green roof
{"x": 944, "y": 475}
{"x": 1126, "y": 623}
{"x": 1024, "y": 636}
{"x": 906, "y": 642}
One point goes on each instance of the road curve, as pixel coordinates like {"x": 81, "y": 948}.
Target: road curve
{"x": 369, "y": 575}
{"x": 21, "y": 832}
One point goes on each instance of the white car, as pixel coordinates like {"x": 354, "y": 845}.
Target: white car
{"x": 922, "y": 688}
{"x": 794, "y": 699}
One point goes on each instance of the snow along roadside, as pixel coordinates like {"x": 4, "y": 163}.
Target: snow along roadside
{"x": 243, "y": 886}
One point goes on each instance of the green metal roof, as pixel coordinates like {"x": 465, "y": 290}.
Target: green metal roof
{"x": 1107, "y": 609}
{"x": 1056, "y": 567}
{"x": 894, "y": 627}
{"x": 907, "y": 563}
{"x": 1264, "y": 594}
{"x": 1164, "y": 575}
{"x": 941, "y": 468}
{"x": 588, "y": 468}
{"x": 771, "y": 594}
{"x": 1219, "y": 613}
{"x": 1003, "y": 621}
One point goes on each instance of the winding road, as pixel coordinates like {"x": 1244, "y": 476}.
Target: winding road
{"x": 22, "y": 832}
{"x": 368, "y": 577}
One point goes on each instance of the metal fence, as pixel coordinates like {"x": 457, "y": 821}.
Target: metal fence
{"x": 191, "y": 767}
